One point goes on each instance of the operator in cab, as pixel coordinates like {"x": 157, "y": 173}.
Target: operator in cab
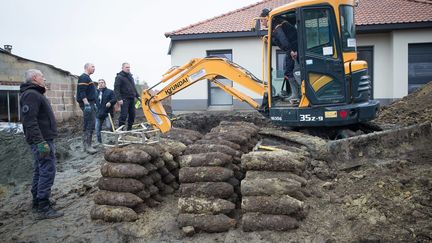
{"x": 284, "y": 35}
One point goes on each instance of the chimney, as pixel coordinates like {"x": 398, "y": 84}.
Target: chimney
{"x": 8, "y": 48}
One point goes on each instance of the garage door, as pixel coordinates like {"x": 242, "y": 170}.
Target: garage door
{"x": 419, "y": 65}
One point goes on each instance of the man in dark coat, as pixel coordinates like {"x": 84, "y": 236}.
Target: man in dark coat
{"x": 284, "y": 35}
{"x": 105, "y": 104}
{"x": 40, "y": 130}
{"x": 86, "y": 98}
{"x": 125, "y": 93}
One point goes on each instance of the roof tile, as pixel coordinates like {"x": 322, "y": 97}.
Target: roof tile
{"x": 369, "y": 12}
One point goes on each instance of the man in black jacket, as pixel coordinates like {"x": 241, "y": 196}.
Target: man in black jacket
{"x": 105, "y": 104}
{"x": 86, "y": 98}
{"x": 284, "y": 36}
{"x": 125, "y": 92}
{"x": 40, "y": 130}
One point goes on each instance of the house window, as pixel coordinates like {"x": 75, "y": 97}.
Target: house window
{"x": 419, "y": 65}
{"x": 9, "y": 106}
{"x": 218, "y": 97}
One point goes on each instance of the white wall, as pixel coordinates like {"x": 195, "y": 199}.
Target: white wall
{"x": 247, "y": 52}
{"x": 391, "y": 60}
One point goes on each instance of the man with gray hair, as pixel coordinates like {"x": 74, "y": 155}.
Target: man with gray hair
{"x": 40, "y": 130}
{"x": 125, "y": 93}
{"x": 86, "y": 98}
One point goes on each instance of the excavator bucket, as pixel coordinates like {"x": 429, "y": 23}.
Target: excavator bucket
{"x": 155, "y": 112}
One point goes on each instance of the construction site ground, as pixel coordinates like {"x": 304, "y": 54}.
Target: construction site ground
{"x": 383, "y": 199}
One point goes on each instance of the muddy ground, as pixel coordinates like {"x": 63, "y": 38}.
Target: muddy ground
{"x": 389, "y": 201}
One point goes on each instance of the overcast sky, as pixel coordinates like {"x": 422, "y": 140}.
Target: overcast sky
{"x": 69, "y": 33}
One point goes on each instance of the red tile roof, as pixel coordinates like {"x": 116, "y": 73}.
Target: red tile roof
{"x": 369, "y": 12}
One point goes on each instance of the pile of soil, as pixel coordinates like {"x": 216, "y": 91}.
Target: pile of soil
{"x": 16, "y": 159}
{"x": 413, "y": 109}
{"x": 204, "y": 122}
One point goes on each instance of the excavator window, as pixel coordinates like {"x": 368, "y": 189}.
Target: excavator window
{"x": 347, "y": 28}
{"x": 318, "y": 32}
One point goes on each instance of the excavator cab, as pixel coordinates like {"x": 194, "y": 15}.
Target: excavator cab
{"x": 334, "y": 88}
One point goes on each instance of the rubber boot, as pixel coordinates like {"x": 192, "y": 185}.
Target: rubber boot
{"x": 46, "y": 211}
{"x": 89, "y": 148}
{"x": 294, "y": 89}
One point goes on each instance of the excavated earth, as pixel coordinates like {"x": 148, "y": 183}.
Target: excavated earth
{"x": 385, "y": 198}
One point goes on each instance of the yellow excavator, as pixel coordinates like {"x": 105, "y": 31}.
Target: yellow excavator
{"x": 334, "y": 86}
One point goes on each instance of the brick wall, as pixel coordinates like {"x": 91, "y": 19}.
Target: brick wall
{"x": 62, "y": 98}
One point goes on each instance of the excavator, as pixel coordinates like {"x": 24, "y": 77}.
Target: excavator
{"x": 335, "y": 89}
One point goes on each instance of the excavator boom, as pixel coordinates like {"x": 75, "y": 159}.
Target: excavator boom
{"x": 209, "y": 68}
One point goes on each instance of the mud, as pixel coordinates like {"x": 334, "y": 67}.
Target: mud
{"x": 386, "y": 200}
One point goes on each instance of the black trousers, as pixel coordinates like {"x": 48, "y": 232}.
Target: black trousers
{"x": 127, "y": 111}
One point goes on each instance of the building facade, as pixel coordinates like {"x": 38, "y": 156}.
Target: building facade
{"x": 61, "y": 87}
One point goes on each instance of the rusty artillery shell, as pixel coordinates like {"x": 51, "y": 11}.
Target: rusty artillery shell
{"x": 127, "y": 155}
{"x": 123, "y": 170}
{"x": 113, "y": 213}
{"x": 281, "y": 160}
{"x": 126, "y": 199}
{"x": 205, "y": 148}
{"x": 283, "y": 204}
{"x": 204, "y": 174}
{"x": 207, "y": 189}
{"x": 269, "y": 187}
{"x": 259, "y": 222}
{"x": 120, "y": 184}
{"x": 204, "y": 205}
{"x": 207, "y": 223}
{"x": 204, "y": 159}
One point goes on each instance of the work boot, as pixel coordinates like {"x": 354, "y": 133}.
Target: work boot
{"x": 46, "y": 211}
{"x": 89, "y": 149}
{"x": 87, "y": 144}
{"x": 35, "y": 204}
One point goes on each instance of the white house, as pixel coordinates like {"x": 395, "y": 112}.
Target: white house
{"x": 393, "y": 36}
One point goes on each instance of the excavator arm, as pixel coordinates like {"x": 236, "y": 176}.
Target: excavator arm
{"x": 209, "y": 68}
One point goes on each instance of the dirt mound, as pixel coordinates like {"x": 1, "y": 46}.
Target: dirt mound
{"x": 412, "y": 109}
{"x": 71, "y": 127}
{"x": 204, "y": 122}
{"x": 16, "y": 159}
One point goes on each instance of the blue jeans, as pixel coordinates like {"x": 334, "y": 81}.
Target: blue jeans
{"x": 99, "y": 124}
{"x": 44, "y": 170}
